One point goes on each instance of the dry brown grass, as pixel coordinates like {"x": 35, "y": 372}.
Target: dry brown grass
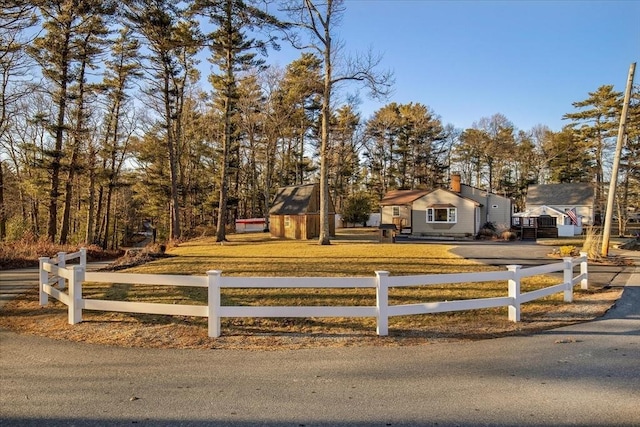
{"x": 258, "y": 255}
{"x": 25, "y": 252}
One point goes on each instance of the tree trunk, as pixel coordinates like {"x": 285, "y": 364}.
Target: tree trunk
{"x": 228, "y": 113}
{"x": 173, "y": 168}
{"x": 99, "y": 223}
{"x": 3, "y": 217}
{"x": 52, "y": 227}
{"x": 66, "y": 214}
{"x": 324, "y": 238}
{"x": 107, "y": 219}
{"x": 88, "y": 237}
{"x": 224, "y": 186}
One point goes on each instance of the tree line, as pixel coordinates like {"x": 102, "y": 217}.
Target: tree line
{"x": 105, "y": 120}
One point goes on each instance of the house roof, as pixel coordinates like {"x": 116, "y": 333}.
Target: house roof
{"x": 402, "y": 197}
{"x": 539, "y": 211}
{"x": 572, "y": 194}
{"x": 293, "y": 200}
{"x": 460, "y": 196}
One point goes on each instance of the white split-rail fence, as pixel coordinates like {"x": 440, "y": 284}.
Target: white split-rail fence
{"x": 56, "y": 276}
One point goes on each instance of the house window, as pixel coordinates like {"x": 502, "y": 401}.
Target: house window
{"x": 396, "y": 211}
{"x": 449, "y": 215}
{"x": 287, "y": 221}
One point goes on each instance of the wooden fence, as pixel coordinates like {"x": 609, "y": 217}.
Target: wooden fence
{"x": 55, "y": 276}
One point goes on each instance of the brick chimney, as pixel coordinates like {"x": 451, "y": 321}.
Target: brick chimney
{"x": 455, "y": 182}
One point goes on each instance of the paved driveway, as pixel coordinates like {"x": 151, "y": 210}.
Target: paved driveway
{"x": 530, "y": 254}
{"x": 587, "y": 375}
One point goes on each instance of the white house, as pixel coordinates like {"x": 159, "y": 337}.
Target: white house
{"x": 571, "y": 204}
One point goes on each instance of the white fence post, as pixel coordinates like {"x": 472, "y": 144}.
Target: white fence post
{"x": 584, "y": 271}
{"x": 75, "y": 294}
{"x": 514, "y": 293}
{"x": 213, "y": 307}
{"x": 83, "y": 258}
{"x": 62, "y": 263}
{"x": 43, "y": 280}
{"x": 382, "y": 302}
{"x": 568, "y": 279}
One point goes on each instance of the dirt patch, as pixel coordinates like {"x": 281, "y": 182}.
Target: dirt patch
{"x": 24, "y": 315}
{"x": 612, "y": 260}
{"x": 134, "y": 258}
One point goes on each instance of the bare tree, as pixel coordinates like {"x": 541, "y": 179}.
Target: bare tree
{"x": 14, "y": 71}
{"x": 318, "y": 18}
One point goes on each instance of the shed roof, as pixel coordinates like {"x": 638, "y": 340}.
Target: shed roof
{"x": 402, "y": 197}
{"x": 572, "y": 194}
{"x": 293, "y": 200}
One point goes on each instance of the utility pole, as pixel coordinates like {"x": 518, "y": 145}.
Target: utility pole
{"x": 622, "y": 129}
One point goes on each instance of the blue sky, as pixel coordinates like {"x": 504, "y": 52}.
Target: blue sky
{"x": 528, "y": 60}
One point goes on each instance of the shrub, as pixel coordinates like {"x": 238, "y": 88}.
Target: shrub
{"x": 357, "y": 209}
{"x": 488, "y": 230}
{"x": 508, "y": 235}
{"x": 489, "y": 226}
{"x": 25, "y": 252}
{"x": 592, "y": 244}
{"x": 566, "y": 251}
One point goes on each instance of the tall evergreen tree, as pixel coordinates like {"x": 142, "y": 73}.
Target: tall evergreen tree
{"x": 597, "y": 123}
{"x": 231, "y": 51}
{"x": 170, "y": 39}
{"x": 300, "y": 99}
{"x": 344, "y": 161}
{"x": 628, "y": 196}
{"x": 468, "y": 156}
{"x": 89, "y": 44}
{"x": 55, "y": 53}
{"x": 250, "y": 126}
{"x": 408, "y": 139}
{"x": 121, "y": 70}
{"x": 569, "y": 160}
{"x": 380, "y": 154}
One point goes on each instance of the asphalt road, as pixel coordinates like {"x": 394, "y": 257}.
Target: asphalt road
{"x": 587, "y": 375}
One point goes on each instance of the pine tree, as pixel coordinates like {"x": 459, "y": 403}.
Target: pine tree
{"x": 344, "y": 161}
{"x": 171, "y": 40}
{"x": 231, "y": 51}
{"x": 251, "y": 117}
{"x": 406, "y": 143}
{"x": 300, "y": 98}
{"x": 88, "y": 44}
{"x": 597, "y": 124}
{"x": 120, "y": 71}
{"x": 55, "y": 53}
{"x": 569, "y": 160}
{"x": 382, "y": 139}
{"x": 629, "y": 194}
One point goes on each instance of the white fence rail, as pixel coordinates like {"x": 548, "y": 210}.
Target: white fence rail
{"x": 55, "y": 276}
